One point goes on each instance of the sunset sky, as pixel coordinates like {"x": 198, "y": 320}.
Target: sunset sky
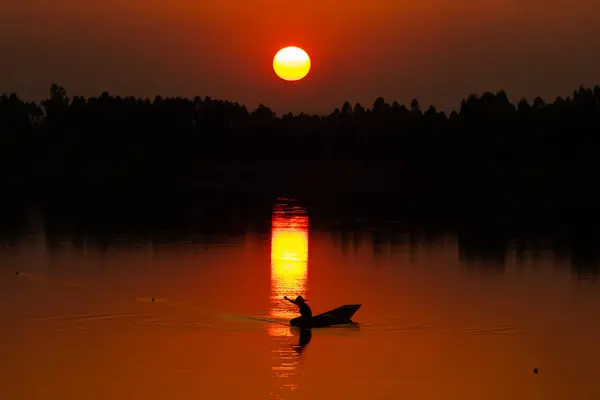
{"x": 438, "y": 51}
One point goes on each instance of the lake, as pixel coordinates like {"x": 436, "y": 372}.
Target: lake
{"x": 135, "y": 317}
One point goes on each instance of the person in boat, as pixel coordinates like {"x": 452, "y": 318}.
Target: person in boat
{"x": 305, "y": 310}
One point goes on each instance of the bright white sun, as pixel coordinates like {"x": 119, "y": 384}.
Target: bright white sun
{"x": 291, "y": 63}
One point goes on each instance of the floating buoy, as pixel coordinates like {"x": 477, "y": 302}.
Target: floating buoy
{"x": 153, "y": 299}
{"x": 535, "y": 370}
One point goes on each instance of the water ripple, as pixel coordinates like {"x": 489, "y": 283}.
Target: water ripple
{"x": 474, "y": 329}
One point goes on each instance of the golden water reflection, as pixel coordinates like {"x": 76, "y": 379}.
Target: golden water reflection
{"x": 289, "y": 272}
{"x": 289, "y": 263}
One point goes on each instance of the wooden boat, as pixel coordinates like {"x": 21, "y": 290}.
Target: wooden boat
{"x": 338, "y": 316}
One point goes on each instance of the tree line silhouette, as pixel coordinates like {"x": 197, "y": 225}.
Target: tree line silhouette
{"x": 489, "y": 151}
{"x": 487, "y": 130}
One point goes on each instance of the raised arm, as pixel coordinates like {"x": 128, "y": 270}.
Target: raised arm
{"x": 290, "y": 300}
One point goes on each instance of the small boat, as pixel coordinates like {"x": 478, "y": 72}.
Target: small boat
{"x": 338, "y": 316}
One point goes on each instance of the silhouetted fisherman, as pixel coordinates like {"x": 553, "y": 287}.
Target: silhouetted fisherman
{"x": 305, "y": 310}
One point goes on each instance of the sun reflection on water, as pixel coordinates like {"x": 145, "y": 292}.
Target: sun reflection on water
{"x": 289, "y": 263}
{"x": 289, "y": 272}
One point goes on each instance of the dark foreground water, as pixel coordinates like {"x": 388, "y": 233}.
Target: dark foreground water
{"x": 203, "y": 317}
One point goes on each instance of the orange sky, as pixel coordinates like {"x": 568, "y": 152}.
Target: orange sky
{"x": 436, "y": 50}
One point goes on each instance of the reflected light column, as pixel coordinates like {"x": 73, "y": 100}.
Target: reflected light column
{"x": 289, "y": 264}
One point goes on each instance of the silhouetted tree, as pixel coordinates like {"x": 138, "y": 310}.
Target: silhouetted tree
{"x": 346, "y": 108}
{"x": 415, "y": 107}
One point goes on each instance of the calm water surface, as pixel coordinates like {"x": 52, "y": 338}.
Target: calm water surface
{"x": 80, "y": 321}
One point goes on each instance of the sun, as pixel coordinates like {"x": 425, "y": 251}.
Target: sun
{"x": 291, "y": 63}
